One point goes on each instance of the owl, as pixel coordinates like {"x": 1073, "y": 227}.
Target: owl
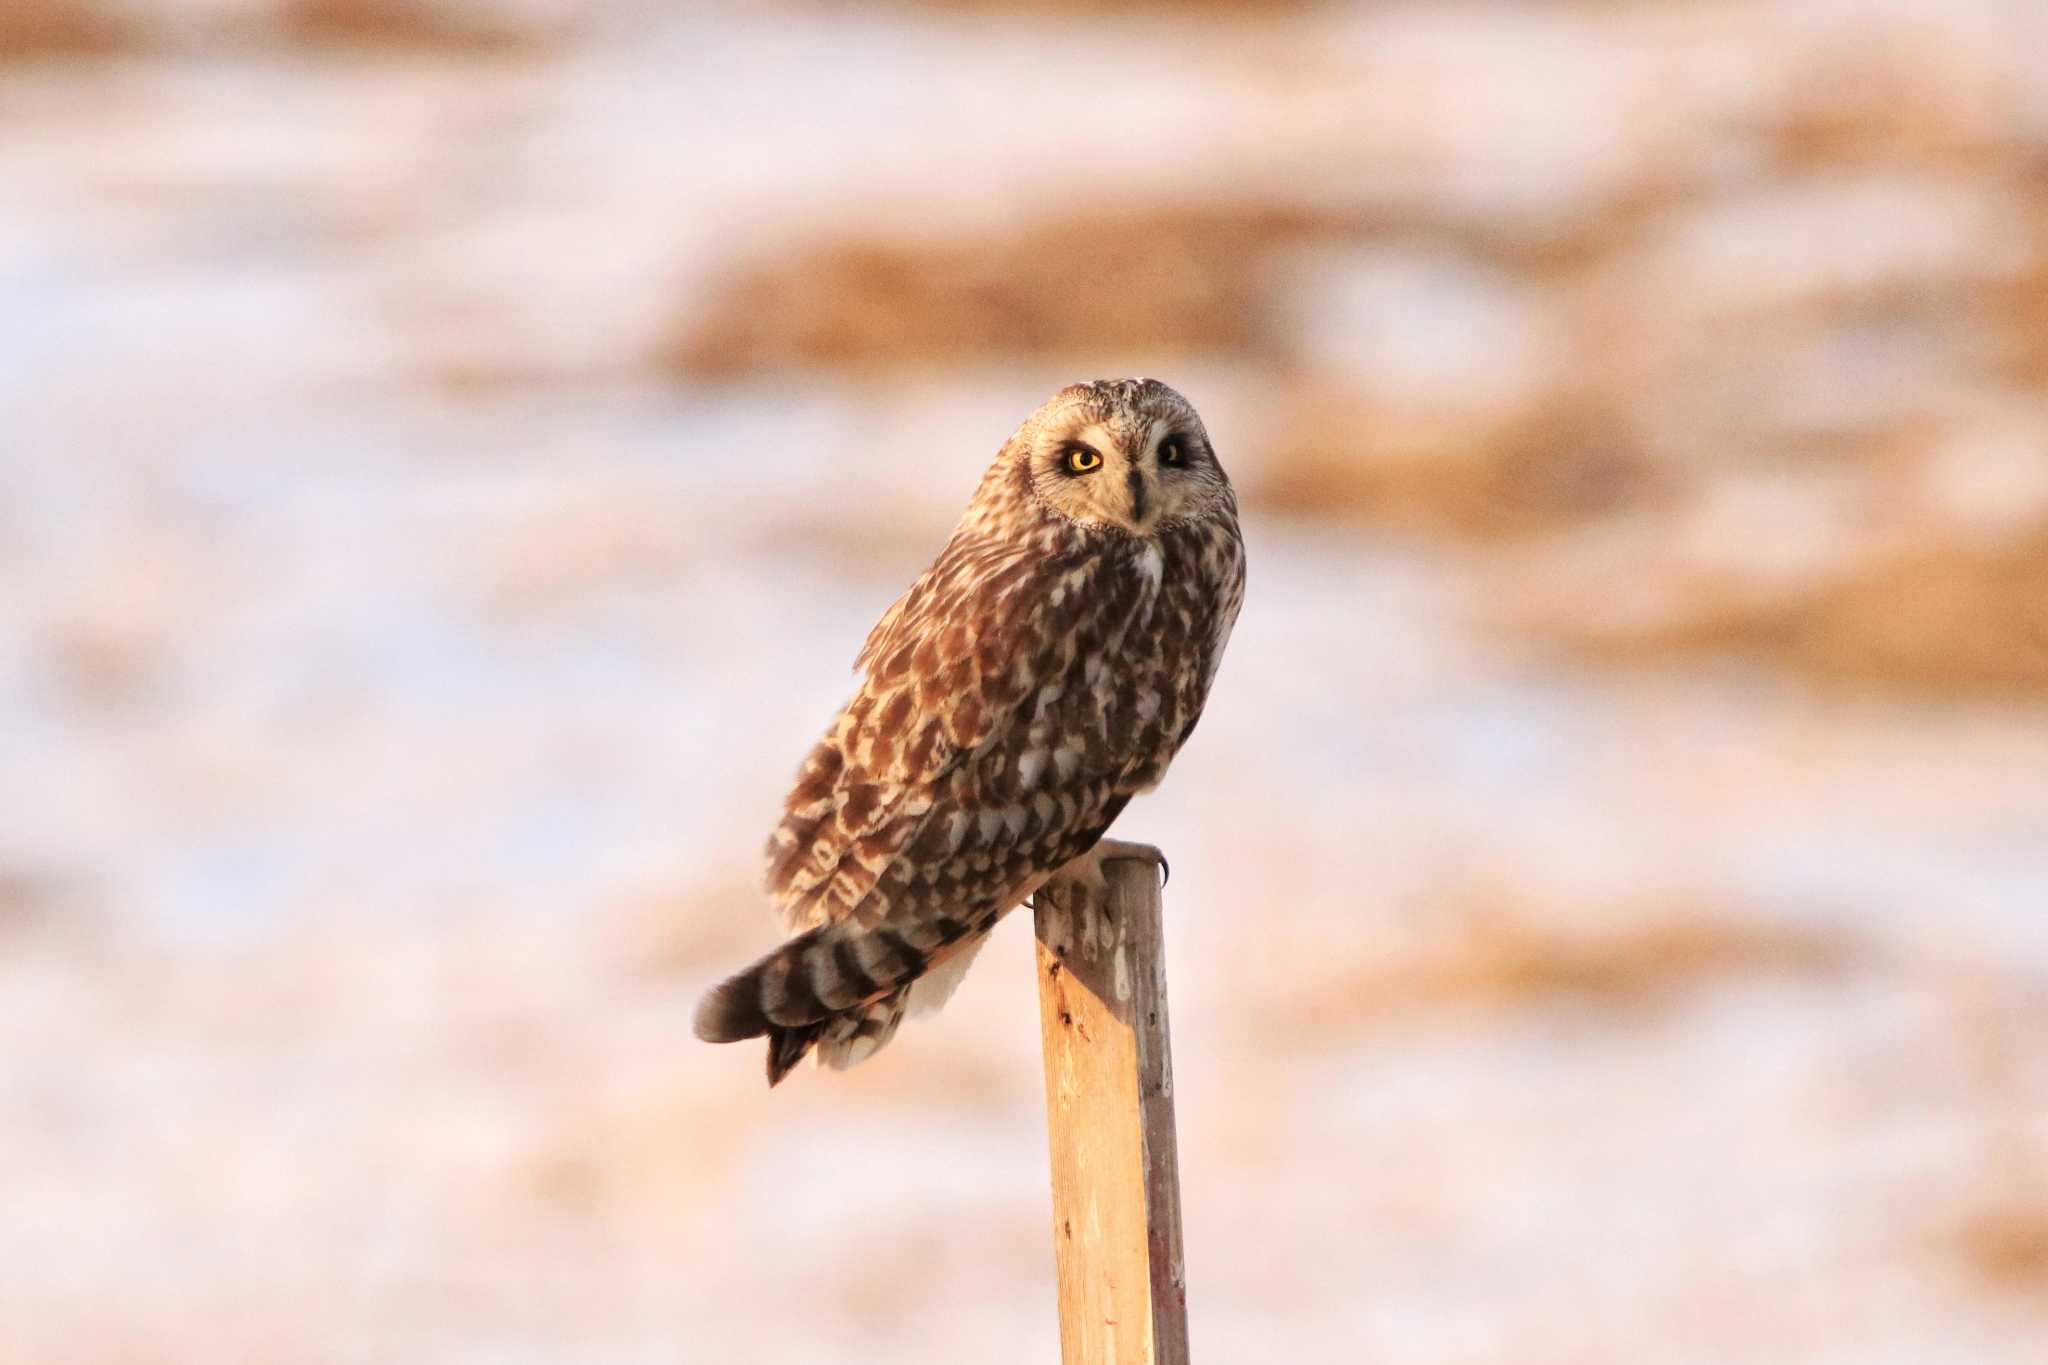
{"x": 1045, "y": 669}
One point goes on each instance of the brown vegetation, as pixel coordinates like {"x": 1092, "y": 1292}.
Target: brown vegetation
{"x": 1948, "y": 618}
{"x": 424, "y": 25}
{"x": 2007, "y": 1245}
{"x": 28, "y": 901}
{"x": 1158, "y": 281}
{"x": 58, "y": 28}
{"x": 1502, "y": 957}
{"x": 1341, "y": 456}
{"x": 1055, "y": 7}
{"x": 2017, "y": 309}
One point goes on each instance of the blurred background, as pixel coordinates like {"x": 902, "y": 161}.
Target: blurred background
{"x": 454, "y": 449}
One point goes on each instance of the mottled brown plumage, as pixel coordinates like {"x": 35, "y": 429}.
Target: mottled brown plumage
{"x": 1044, "y": 669}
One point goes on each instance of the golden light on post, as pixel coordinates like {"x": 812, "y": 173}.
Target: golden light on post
{"x": 1109, "y": 1115}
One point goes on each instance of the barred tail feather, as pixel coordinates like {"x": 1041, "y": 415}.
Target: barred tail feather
{"x": 837, "y": 987}
{"x": 843, "y": 1040}
{"x": 787, "y": 1046}
{"x": 852, "y": 1038}
{"x": 750, "y": 1003}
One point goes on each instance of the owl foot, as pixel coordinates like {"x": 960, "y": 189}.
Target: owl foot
{"x": 1123, "y": 851}
{"x": 1085, "y": 874}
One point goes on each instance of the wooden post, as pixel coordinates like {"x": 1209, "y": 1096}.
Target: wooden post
{"x": 1109, "y": 1111}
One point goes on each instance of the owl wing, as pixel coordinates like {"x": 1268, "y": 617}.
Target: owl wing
{"x": 907, "y": 771}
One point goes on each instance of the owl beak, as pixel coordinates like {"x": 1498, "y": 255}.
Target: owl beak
{"x": 1135, "y": 477}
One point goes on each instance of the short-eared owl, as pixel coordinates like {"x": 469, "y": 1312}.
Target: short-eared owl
{"x": 1043, "y": 670}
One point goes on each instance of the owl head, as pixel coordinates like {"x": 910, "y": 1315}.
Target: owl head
{"x": 1124, "y": 455}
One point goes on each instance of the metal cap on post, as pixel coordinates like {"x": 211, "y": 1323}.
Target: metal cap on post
{"x": 1109, "y": 1114}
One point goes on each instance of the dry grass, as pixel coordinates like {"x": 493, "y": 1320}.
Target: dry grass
{"x": 1054, "y": 7}
{"x": 1340, "y": 456}
{"x": 28, "y": 902}
{"x": 59, "y": 28}
{"x": 1947, "y": 619}
{"x": 113, "y": 634}
{"x": 105, "y": 657}
{"x": 37, "y": 29}
{"x": 1159, "y": 281}
{"x": 2006, "y": 1246}
{"x": 2017, "y": 308}
{"x": 1505, "y": 958}
{"x": 414, "y": 25}
{"x": 1893, "y": 93}
{"x": 1148, "y": 278}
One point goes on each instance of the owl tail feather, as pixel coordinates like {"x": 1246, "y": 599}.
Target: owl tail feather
{"x": 842, "y": 1041}
{"x": 786, "y": 1047}
{"x": 835, "y": 987}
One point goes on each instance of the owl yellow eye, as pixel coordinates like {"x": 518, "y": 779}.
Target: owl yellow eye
{"x": 1082, "y": 460}
{"x": 1172, "y": 452}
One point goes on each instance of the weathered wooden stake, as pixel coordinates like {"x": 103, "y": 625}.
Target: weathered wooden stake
{"x": 1109, "y": 1112}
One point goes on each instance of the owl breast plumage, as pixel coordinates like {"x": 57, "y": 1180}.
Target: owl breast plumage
{"x": 1044, "y": 669}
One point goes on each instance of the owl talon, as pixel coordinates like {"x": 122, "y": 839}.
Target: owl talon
{"x": 1150, "y": 855}
{"x": 1089, "y": 865}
